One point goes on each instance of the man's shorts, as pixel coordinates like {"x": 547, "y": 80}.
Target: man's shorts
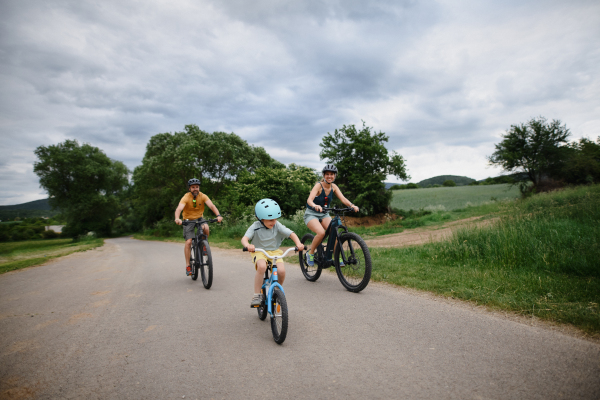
{"x": 188, "y": 230}
{"x": 260, "y": 256}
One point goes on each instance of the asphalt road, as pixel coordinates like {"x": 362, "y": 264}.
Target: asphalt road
{"x": 124, "y": 322}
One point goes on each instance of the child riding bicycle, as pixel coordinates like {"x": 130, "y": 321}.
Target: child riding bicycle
{"x": 267, "y": 233}
{"x": 321, "y": 196}
{"x": 192, "y": 205}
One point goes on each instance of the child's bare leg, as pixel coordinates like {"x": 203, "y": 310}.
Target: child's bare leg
{"x": 261, "y": 267}
{"x": 280, "y": 272}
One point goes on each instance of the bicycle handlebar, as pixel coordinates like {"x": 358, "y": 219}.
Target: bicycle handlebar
{"x": 273, "y": 257}
{"x": 199, "y": 222}
{"x": 337, "y": 210}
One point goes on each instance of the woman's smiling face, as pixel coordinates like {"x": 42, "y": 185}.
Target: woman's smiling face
{"x": 329, "y": 176}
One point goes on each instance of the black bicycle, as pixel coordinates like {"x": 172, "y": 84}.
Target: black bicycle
{"x": 200, "y": 256}
{"x": 351, "y": 256}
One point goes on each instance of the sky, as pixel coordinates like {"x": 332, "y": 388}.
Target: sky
{"x": 442, "y": 79}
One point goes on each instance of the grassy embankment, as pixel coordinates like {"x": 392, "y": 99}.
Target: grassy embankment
{"x": 16, "y": 255}
{"x": 541, "y": 259}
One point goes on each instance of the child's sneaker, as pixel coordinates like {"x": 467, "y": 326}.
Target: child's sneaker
{"x": 310, "y": 259}
{"x": 188, "y": 270}
{"x": 256, "y": 300}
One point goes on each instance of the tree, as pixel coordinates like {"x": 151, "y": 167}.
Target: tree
{"x": 449, "y": 183}
{"x": 216, "y": 159}
{"x": 582, "y": 163}
{"x": 288, "y": 186}
{"x": 83, "y": 183}
{"x": 363, "y": 164}
{"x": 536, "y": 148}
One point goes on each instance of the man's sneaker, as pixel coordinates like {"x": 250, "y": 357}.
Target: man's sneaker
{"x": 188, "y": 270}
{"x": 310, "y": 259}
{"x": 256, "y": 300}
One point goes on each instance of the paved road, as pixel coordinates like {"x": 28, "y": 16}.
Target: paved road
{"x": 124, "y": 322}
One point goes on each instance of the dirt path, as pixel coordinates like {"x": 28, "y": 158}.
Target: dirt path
{"x": 426, "y": 234}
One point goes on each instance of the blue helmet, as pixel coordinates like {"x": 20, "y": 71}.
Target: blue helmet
{"x": 267, "y": 209}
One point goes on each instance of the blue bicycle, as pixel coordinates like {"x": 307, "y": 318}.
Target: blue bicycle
{"x": 274, "y": 301}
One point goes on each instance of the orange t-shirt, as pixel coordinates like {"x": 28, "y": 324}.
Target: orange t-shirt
{"x": 191, "y": 212}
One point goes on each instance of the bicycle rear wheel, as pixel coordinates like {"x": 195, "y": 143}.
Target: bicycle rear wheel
{"x": 206, "y": 267}
{"x": 355, "y": 275}
{"x": 279, "y": 319}
{"x": 194, "y": 260}
{"x": 310, "y": 273}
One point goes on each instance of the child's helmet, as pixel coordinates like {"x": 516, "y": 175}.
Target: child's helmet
{"x": 193, "y": 181}
{"x": 330, "y": 168}
{"x": 267, "y": 209}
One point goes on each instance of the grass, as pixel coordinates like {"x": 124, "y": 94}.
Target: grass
{"x": 16, "y": 255}
{"x": 452, "y": 198}
{"x": 541, "y": 259}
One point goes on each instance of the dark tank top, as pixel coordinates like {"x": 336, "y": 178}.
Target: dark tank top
{"x": 322, "y": 200}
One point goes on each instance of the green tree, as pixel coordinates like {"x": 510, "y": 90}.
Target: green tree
{"x": 536, "y": 148}
{"x": 171, "y": 159}
{"x": 582, "y": 163}
{"x": 83, "y": 183}
{"x": 363, "y": 163}
{"x": 449, "y": 183}
{"x": 288, "y": 186}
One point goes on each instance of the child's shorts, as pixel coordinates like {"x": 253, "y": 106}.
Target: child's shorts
{"x": 260, "y": 256}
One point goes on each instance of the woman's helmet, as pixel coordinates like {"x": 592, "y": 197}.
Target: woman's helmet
{"x": 330, "y": 168}
{"x": 267, "y": 209}
{"x": 193, "y": 181}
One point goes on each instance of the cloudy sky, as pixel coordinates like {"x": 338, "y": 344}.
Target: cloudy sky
{"x": 443, "y": 79}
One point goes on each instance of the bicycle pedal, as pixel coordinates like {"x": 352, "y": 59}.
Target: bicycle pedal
{"x": 255, "y": 306}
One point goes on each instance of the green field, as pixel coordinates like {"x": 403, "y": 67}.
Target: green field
{"x": 452, "y": 198}
{"x": 16, "y": 255}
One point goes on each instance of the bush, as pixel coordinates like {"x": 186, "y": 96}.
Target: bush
{"x": 449, "y": 183}
{"x": 49, "y": 234}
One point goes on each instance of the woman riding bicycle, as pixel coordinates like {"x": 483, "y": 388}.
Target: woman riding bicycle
{"x": 321, "y": 196}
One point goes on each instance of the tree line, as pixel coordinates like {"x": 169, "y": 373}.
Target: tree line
{"x": 96, "y": 193}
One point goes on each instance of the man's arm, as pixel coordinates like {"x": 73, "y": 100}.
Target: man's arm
{"x": 178, "y": 213}
{"x": 214, "y": 210}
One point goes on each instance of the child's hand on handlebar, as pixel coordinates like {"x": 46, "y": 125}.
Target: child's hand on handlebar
{"x": 251, "y": 248}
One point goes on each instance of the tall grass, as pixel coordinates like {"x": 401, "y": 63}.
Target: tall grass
{"x": 542, "y": 259}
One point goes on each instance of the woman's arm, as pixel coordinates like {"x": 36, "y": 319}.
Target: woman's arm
{"x": 311, "y": 198}
{"x": 344, "y": 200}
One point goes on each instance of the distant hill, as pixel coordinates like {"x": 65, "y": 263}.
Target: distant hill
{"x": 438, "y": 180}
{"x": 390, "y": 184}
{"x": 32, "y": 209}
{"x": 32, "y": 205}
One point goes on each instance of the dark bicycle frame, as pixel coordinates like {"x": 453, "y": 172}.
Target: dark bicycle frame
{"x": 199, "y": 234}
{"x": 335, "y": 230}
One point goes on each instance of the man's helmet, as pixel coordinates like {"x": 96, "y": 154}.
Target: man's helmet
{"x": 330, "y": 168}
{"x": 193, "y": 181}
{"x": 267, "y": 209}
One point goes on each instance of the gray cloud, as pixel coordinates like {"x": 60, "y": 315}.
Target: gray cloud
{"x": 435, "y": 76}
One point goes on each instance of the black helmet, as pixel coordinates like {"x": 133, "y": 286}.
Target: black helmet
{"x": 193, "y": 181}
{"x": 330, "y": 168}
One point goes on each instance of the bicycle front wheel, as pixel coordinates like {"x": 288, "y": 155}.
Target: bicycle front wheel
{"x": 310, "y": 273}
{"x": 356, "y": 272}
{"x": 279, "y": 318}
{"x": 194, "y": 260}
{"x": 206, "y": 268}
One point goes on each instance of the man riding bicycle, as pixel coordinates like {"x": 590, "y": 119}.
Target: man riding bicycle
{"x": 192, "y": 205}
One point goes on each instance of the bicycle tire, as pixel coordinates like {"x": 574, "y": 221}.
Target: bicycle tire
{"x": 279, "y": 319}
{"x": 310, "y": 273}
{"x": 355, "y": 275}
{"x": 206, "y": 266}
{"x": 194, "y": 261}
{"x": 263, "y": 309}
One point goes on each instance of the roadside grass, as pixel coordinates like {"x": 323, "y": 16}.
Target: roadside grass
{"x": 452, "y": 198}
{"x": 540, "y": 259}
{"x": 17, "y": 255}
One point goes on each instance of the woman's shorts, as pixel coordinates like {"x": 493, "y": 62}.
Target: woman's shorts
{"x": 260, "y": 256}
{"x": 309, "y": 215}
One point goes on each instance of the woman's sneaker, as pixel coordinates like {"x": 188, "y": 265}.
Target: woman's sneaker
{"x": 342, "y": 263}
{"x": 310, "y": 259}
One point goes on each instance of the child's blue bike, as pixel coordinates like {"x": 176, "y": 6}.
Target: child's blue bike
{"x": 274, "y": 301}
